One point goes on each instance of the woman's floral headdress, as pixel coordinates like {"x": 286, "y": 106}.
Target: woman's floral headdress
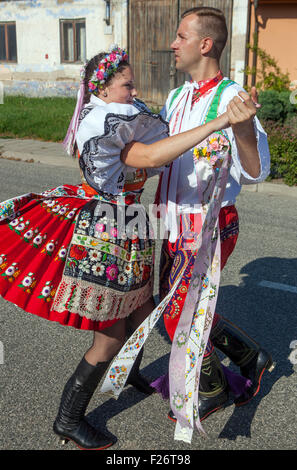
{"x": 107, "y": 67}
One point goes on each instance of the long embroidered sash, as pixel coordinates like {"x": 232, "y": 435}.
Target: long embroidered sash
{"x": 194, "y": 325}
{"x": 192, "y": 332}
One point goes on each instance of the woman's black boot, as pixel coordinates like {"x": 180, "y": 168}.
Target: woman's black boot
{"x": 213, "y": 388}
{"x": 244, "y": 352}
{"x": 137, "y": 380}
{"x": 70, "y": 423}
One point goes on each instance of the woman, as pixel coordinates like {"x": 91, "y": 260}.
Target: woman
{"x": 92, "y": 274}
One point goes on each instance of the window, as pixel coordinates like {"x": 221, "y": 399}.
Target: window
{"x": 73, "y": 40}
{"x": 8, "y": 47}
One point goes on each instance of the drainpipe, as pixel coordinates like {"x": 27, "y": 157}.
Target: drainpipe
{"x": 248, "y": 34}
{"x": 107, "y": 12}
{"x": 256, "y": 33}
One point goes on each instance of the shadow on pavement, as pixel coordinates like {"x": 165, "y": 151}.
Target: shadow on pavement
{"x": 267, "y": 315}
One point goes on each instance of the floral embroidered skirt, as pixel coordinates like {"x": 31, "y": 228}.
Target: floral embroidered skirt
{"x": 63, "y": 258}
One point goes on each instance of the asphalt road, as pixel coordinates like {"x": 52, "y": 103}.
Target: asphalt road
{"x": 39, "y": 356}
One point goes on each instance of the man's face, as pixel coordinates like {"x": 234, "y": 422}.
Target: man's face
{"x": 186, "y": 46}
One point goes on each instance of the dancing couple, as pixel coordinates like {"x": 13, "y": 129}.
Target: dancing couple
{"x": 63, "y": 258}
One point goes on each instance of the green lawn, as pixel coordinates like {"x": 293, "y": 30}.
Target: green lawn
{"x": 37, "y": 118}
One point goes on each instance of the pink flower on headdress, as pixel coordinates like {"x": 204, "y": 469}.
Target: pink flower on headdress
{"x": 112, "y": 57}
{"x": 100, "y": 75}
{"x": 92, "y": 86}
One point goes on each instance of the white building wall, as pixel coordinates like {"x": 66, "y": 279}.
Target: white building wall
{"x": 239, "y": 40}
{"x": 39, "y": 69}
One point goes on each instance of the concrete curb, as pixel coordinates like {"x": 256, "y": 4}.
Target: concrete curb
{"x": 51, "y": 153}
{"x": 35, "y": 151}
{"x": 272, "y": 188}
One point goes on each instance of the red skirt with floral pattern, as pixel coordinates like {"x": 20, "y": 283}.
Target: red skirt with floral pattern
{"x": 51, "y": 265}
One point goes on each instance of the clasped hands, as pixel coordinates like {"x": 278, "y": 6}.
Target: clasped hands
{"x": 240, "y": 113}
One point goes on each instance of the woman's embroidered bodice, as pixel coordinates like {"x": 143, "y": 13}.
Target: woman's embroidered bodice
{"x": 104, "y": 130}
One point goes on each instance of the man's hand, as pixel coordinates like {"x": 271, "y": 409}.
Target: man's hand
{"x": 241, "y": 112}
{"x": 254, "y": 96}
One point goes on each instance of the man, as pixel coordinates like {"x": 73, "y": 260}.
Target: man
{"x": 200, "y": 40}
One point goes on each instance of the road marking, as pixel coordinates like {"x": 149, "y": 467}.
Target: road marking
{"x": 277, "y": 285}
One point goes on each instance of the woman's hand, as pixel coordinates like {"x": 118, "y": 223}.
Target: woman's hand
{"x": 157, "y": 154}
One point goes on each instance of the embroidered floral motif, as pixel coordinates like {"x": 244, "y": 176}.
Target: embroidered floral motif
{"x": 30, "y": 234}
{"x": 136, "y": 340}
{"x": 214, "y": 150}
{"x": 62, "y": 253}
{"x": 178, "y": 401}
{"x": 12, "y": 272}
{"x": 7, "y": 210}
{"x": 99, "y": 228}
{"x": 48, "y": 292}
{"x": 28, "y": 283}
{"x": 192, "y": 358}
{"x": 181, "y": 339}
{"x": 112, "y": 272}
{"x": 212, "y": 292}
{"x": 78, "y": 252}
{"x": 118, "y": 376}
{"x": 84, "y": 266}
{"x": 98, "y": 269}
{"x": 50, "y": 247}
{"x": 3, "y": 263}
{"x": 38, "y": 240}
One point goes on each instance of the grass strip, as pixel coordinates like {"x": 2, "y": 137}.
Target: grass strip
{"x": 36, "y": 118}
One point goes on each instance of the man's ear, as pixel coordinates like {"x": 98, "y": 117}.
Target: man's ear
{"x": 206, "y": 45}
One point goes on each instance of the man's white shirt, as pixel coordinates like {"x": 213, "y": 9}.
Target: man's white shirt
{"x": 186, "y": 188}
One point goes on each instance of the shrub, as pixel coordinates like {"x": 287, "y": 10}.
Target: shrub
{"x": 276, "y": 106}
{"x": 283, "y": 151}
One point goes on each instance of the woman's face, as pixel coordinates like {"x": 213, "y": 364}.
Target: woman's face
{"x": 121, "y": 88}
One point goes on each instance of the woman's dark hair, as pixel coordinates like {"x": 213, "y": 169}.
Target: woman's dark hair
{"x": 91, "y": 66}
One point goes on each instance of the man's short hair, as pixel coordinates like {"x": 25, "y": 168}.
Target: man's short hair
{"x": 212, "y": 24}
